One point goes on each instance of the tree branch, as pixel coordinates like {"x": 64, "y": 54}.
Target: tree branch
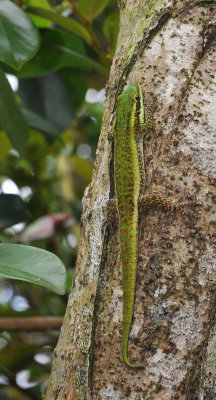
{"x": 30, "y": 323}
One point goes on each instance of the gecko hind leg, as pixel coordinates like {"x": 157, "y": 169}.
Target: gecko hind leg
{"x": 156, "y": 200}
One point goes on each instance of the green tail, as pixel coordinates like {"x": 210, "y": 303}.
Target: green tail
{"x": 125, "y": 337}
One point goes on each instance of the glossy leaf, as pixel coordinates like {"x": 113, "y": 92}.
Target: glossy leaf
{"x": 58, "y": 49}
{"x": 92, "y": 8}
{"x": 19, "y": 37}
{"x": 76, "y": 83}
{"x": 16, "y": 128}
{"x": 40, "y": 22}
{"x": 32, "y": 265}
{"x": 66, "y": 23}
{"x": 50, "y": 100}
{"x": 12, "y": 210}
{"x": 41, "y": 124}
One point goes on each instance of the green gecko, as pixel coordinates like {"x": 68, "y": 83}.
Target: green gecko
{"x": 132, "y": 121}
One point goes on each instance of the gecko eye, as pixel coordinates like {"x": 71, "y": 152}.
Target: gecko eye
{"x": 137, "y": 97}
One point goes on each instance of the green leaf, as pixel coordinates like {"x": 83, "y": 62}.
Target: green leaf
{"x": 59, "y": 49}
{"x": 76, "y": 83}
{"x": 50, "y": 100}
{"x": 20, "y": 39}
{"x": 92, "y": 8}
{"x": 32, "y": 265}
{"x": 53, "y": 54}
{"x": 12, "y": 210}
{"x": 110, "y": 28}
{"x": 11, "y": 118}
{"x": 41, "y": 124}
{"x": 66, "y": 23}
{"x": 39, "y": 21}
{"x": 88, "y": 62}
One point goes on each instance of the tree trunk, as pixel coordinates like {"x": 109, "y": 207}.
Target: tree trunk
{"x": 170, "y": 48}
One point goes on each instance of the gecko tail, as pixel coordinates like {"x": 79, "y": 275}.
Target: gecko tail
{"x": 127, "y": 362}
{"x": 125, "y": 336}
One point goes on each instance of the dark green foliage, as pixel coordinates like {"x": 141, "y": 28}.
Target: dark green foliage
{"x": 12, "y": 210}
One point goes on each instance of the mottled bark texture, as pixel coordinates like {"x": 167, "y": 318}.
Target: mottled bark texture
{"x": 170, "y": 48}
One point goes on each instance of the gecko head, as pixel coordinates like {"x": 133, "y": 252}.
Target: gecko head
{"x": 131, "y": 104}
{"x": 131, "y": 94}
{"x": 131, "y": 100}
{"x": 134, "y": 97}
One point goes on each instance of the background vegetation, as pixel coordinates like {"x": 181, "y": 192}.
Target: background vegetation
{"x": 60, "y": 52}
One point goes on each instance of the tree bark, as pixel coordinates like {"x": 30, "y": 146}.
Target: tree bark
{"x": 170, "y": 48}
